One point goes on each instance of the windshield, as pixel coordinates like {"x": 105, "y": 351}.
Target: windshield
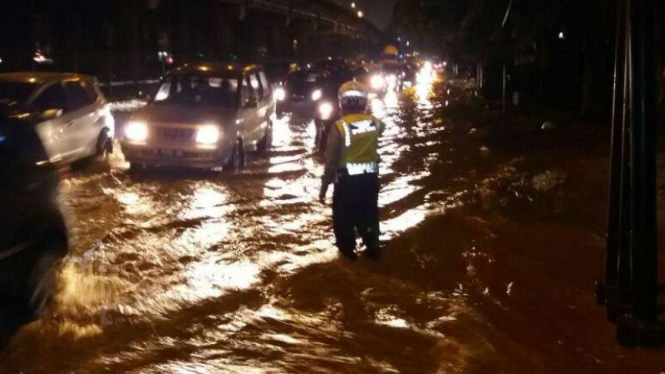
{"x": 198, "y": 91}
{"x": 15, "y": 92}
{"x": 305, "y": 78}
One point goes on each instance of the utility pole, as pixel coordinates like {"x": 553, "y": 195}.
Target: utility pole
{"x": 630, "y": 287}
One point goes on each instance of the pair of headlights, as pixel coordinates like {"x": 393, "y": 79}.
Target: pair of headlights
{"x": 280, "y": 94}
{"x": 205, "y": 134}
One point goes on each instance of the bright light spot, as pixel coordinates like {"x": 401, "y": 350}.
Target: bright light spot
{"x": 408, "y": 43}
{"x": 562, "y": 36}
{"x": 137, "y": 131}
{"x": 204, "y": 68}
{"x": 325, "y": 109}
{"x": 353, "y": 5}
{"x": 230, "y": 67}
{"x": 207, "y": 134}
{"x": 316, "y": 95}
{"x": 279, "y": 94}
{"x": 360, "y": 14}
{"x": 377, "y": 82}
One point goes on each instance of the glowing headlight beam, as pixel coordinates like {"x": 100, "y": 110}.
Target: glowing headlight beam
{"x": 377, "y": 82}
{"x": 325, "y": 110}
{"x": 316, "y": 95}
{"x": 207, "y": 134}
{"x": 136, "y": 131}
{"x": 279, "y": 94}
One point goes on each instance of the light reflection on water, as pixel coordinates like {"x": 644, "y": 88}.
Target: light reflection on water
{"x": 184, "y": 242}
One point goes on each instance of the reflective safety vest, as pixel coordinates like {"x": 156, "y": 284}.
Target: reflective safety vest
{"x": 360, "y": 143}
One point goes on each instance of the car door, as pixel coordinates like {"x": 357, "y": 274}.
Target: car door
{"x": 266, "y": 104}
{"x": 248, "y": 112}
{"x": 51, "y": 103}
{"x": 83, "y": 129}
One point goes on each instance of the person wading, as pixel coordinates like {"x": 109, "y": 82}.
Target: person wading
{"x": 352, "y": 164}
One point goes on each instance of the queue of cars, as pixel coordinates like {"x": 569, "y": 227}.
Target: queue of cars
{"x": 311, "y": 89}
{"x": 202, "y": 116}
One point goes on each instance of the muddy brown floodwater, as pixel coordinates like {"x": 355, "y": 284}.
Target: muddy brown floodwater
{"x": 185, "y": 272}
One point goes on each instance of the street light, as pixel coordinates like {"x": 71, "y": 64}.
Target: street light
{"x": 408, "y": 43}
{"x": 360, "y": 14}
{"x": 353, "y": 5}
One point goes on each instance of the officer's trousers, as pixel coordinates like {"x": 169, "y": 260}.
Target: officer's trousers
{"x": 355, "y": 207}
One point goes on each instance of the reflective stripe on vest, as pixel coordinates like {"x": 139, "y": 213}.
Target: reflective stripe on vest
{"x": 362, "y": 168}
{"x": 347, "y": 133}
{"x": 359, "y": 152}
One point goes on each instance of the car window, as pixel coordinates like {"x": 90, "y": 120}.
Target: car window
{"x": 247, "y": 90}
{"x": 51, "y": 98}
{"x": 256, "y": 86}
{"x": 76, "y": 96}
{"x": 198, "y": 91}
{"x": 264, "y": 83}
{"x": 90, "y": 91}
{"x": 15, "y": 92}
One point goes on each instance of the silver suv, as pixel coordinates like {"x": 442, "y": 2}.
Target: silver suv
{"x": 203, "y": 116}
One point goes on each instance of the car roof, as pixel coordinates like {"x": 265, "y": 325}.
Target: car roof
{"x": 215, "y": 69}
{"x": 41, "y": 77}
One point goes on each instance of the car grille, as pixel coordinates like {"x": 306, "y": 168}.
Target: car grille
{"x": 173, "y": 133}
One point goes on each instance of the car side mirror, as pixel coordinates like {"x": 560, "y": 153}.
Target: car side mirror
{"x": 251, "y": 103}
{"x": 51, "y": 113}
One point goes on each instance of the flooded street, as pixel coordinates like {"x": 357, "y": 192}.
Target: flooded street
{"x": 192, "y": 272}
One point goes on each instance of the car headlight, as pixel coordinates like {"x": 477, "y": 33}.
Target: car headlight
{"x": 325, "y": 110}
{"x": 316, "y": 95}
{"x": 377, "y": 82}
{"x": 207, "y": 134}
{"x": 137, "y": 131}
{"x": 279, "y": 94}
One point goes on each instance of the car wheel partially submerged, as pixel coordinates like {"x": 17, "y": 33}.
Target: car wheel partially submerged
{"x": 104, "y": 144}
{"x": 265, "y": 143}
{"x": 237, "y": 160}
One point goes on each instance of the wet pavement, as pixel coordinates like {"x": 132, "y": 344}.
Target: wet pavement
{"x": 485, "y": 270}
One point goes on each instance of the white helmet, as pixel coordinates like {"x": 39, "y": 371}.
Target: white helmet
{"x": 353, "y": 97}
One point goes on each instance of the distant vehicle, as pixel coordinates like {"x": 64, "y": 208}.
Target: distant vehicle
{"x": 372, "y": 76}
{"x": 339, "y": 69}
{"x": 278, "y": 71}
{"x": 302, "y": 91}
{"x": 327, "y": 112}
{"x": 68, "y": 111}
{"x": 203, "y": 116}
{"x": 33, "y": 233}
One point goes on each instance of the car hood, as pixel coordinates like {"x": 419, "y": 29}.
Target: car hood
{"x": 176, "y": 114}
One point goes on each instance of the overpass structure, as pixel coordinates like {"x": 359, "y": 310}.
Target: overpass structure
{"x": 331, "y": 15}
{"x": 139, "y": 39}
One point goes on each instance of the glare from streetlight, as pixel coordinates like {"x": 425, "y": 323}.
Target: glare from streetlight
{"x": 353, "y": 5}
{"x": 360, "y": 14}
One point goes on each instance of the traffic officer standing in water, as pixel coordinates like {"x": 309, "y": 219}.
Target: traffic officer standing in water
{"x": 352, "y": 164}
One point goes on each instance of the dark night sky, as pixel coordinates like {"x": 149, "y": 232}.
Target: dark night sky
{"x": 378, "y": 11}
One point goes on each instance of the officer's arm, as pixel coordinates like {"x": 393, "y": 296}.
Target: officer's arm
{"x": 333, "y": 155}
{"x": 380, "y": 125}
